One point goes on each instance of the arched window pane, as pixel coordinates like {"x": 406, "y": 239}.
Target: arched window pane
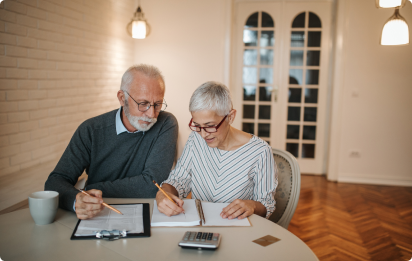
{"x": 314, "y": 21}
{"x": 267, "y": 20}
{"x": 299, "y": 21}
{"x": 252, "y": 21}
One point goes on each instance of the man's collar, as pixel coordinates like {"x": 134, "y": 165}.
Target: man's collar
{"x": 120, "y": 128}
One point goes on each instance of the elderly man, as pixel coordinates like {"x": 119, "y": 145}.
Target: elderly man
{"x": 122, "y": 150}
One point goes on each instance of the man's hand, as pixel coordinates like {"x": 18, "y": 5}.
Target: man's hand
{"x": 239, "y": 209}
{"x": 168, "y": 207}
{"x": 88, "y": 206}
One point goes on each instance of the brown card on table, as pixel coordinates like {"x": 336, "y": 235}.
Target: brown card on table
{"x": 266, "y": 240}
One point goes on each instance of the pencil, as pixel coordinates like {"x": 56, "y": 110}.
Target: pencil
{"x": 104, "y": 204}
{"x": 157, "y": 185}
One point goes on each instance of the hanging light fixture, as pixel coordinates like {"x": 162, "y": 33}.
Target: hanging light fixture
{"x": 395, "y": 31}
{"x": 138, "y": 28}
{"x": 390, "y": 3}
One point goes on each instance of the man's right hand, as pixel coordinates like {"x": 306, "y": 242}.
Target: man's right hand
{"x": 89, "y": 206}
{"x": 168, "y": 207}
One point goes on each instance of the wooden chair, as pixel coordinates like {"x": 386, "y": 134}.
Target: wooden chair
{"x": 288, "y": 190}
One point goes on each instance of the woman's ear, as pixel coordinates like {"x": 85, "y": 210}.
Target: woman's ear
{"x": 232, "y": 116}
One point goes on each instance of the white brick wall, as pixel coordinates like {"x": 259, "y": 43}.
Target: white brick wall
{"x": 60, "y": 63}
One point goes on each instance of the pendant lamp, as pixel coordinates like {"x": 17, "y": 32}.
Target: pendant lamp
{"x": 138, "y": 28}
{"x": 395, "y": 31}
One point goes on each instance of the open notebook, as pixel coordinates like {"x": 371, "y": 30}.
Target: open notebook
{"x": 192, "y": 216}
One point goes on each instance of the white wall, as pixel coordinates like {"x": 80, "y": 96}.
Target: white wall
{"x": 187, "y": 42}
{"x": 372, "y": 108}
{"x": 60, "y": 64}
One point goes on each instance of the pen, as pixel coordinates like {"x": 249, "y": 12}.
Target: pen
{"x": 104, "y": 204}
{"x": 157, "y": 185}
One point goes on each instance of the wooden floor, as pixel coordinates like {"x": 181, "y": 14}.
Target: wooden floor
{"x": 341, "y": 221}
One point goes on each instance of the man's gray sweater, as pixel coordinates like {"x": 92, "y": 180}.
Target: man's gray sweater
{"x": 121, "y": 166}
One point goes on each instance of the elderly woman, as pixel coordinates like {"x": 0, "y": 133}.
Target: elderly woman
{"x": 221, "y": 163}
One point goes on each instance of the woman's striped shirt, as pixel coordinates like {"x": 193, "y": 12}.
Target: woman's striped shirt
{"x": 215, "y": 175}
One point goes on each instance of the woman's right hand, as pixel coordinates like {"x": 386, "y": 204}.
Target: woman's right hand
{"x": 168, "y": 207}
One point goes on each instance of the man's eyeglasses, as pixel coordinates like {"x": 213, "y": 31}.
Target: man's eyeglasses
{"x": 207, "y": 129}
{"x": 144, "y": 106}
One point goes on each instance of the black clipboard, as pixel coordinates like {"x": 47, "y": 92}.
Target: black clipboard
{"x": 146, "y": 225}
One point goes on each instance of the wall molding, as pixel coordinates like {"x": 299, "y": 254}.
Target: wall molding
{"x": 374, "y": 180}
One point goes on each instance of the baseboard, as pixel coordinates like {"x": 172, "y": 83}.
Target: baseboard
{"x": 390, "y": 181}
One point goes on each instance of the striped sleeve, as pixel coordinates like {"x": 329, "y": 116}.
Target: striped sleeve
{"x": 266, "y": 181}
{"x": 181, "y": 176}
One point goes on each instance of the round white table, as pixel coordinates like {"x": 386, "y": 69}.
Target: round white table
{"x": 22, "y": 239}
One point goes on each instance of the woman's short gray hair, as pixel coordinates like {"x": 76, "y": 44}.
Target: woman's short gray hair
{"x": 148, "y": 70}
{"x": 214, "y": 96}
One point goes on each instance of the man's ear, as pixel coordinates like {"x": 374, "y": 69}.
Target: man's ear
{"x": 121, "y": 97}
{"x": 232, "y": 116}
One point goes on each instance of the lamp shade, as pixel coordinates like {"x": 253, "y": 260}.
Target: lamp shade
{"x": 389, "y": 3}
{"x": 395, "y": 31}
{"x": 138, "y": 28}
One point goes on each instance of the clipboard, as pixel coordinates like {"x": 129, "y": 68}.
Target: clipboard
{"x": 112, "y": 234}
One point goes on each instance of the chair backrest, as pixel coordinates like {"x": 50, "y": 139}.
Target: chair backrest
{"x": 288, "y": 189}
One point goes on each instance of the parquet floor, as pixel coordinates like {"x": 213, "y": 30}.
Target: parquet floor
{"x": 341, "y": 221}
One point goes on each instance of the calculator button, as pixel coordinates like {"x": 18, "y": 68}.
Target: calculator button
{"x": 209, "y": 236}
{"x": 199, "y": 236}
{"x": 204, "y": 236}
{"x": 215, "y": 236}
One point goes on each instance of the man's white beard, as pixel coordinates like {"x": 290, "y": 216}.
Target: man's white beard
{"x": 134, "y": 120}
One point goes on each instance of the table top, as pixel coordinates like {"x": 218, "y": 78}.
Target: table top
{"x": 22, "y": 239}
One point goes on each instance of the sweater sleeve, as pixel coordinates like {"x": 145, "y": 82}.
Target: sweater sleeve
{"x": 180, "y": 178}
{"x": 157, "y": 167}
{"x": 266, "y": 181}
{"x": 75, "y": 159}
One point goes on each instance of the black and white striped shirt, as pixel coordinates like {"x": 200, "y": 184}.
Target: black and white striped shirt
{"x": 215, "y": 175}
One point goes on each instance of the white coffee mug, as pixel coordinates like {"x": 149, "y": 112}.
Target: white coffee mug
{"x": 43, "y": 206}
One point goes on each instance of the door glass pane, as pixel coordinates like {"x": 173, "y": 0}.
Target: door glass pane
{"x": 264, "y": 130}
{"x": 266, "y": 75}
{"x": 293, "y": 113}
{"x": 312, "y": 76}
{"x": 293, "y": 132}
{"x": 248, "y": 127}
{"x": 264, "y": 112}
{"x": 311, "y": 95}
{"x": 314, "y": 39}
{"x": 310, "y": 114}
{"x": 308, "y": 151}
{"x": 297, "y": 39}
{"x": 248, "y": 111}
{"x": 249, "y": 93}
{"x": 252, "y": 21}
{"x": 250, "y": 57}
{"x": 250, "y": 38}
{"x": 313, "y": 58}
{"x": 299, "y": 21}
{"x": 309, "y": 132}
{"x": 267, "y": 38}
{"x": 249, "y": 75}
{"x": 295, "y": 76}
{"x": 267, "y": 20}
{"x": 265, "y": 93}
{"x": 296, "y": 58}
{"x": 293, "y": 148}
{"x": 295, "y": 95}
{"x": 266, "y": 57}
{"x": 314, "y": 21}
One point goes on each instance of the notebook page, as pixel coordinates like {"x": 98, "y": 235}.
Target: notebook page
{"x": 190, "y": 218}
{"x": 212, "y": 216}
{"x": 131, "y": 220}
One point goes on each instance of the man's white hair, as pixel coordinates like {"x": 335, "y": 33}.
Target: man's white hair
{"x": 214, "y": 96}
{"x": 148, "y": 70}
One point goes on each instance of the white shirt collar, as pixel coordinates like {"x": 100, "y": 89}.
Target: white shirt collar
{"x": 120, "y": 128}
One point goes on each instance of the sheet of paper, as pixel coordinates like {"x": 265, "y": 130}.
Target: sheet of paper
{"x": 131, "y": 220}
{"x": 190, "y": 218}
{"x": 212, "y": 216}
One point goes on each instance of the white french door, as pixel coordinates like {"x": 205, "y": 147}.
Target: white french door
{"x": 280, "y": 76}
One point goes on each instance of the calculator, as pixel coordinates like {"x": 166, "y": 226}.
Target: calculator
{"x": 200, "y": 240}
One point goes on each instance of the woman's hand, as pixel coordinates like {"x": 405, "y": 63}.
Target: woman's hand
{"x": 239, "y": 209}
{"x": 168, "y": 207}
